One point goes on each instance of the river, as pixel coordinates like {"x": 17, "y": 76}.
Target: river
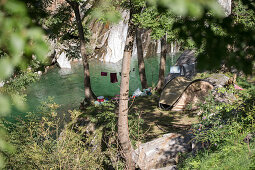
{"x": 66, "y": 85}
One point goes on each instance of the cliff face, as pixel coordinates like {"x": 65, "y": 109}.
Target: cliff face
{"x": 108, "y": 41}
{"x": 226, "y": 4}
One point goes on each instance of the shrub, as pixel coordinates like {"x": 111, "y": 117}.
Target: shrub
{"x": 46, "y": 142}
{"x": 224, "y": 127}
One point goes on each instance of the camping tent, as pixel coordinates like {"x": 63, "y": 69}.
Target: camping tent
{"x": 181, "y": 93}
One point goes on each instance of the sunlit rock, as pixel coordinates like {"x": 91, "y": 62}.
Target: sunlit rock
{"x": 108, "y": 41}
{"x": 161, "y": 152}
{"x": 226, "y": 4}
{"x": 2, "y": 83}
{"x": 63, "y": 61}
{"x": 39, "y": 73}
{"x": 116, "y": 40}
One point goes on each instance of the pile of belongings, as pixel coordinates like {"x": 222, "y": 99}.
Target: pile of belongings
{"x": 101, "y": 100}
{"x": 138, "y": 92}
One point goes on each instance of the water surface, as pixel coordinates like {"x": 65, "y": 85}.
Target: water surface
{"x": 66, "y": 85}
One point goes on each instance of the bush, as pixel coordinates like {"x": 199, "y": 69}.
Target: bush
{"x": 223, "y": 127}
{"x": 46, "y": 142}
{"x": 88, "y": 141}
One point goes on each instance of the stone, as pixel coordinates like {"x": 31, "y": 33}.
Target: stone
{"x": 226, "y": 4}
{"x": 218, "y": 80}
{"x": 116, "y": 40}
{"x": 2, "y": 83}
{"x": 161, "y": 152}
{"x": 63, "y": 61}
{"x": 172, "y": 167}
{"x": 39, "y": 73}
{"x": 108, "y": 41}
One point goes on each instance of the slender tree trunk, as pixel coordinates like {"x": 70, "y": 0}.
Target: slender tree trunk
{"x": 89, "y": 95}
{"x": 161, "y": 75}
{"x": 141, "y": 65}
{"x": 123, "y": 130}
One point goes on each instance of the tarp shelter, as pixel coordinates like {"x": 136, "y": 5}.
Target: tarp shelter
{"x": 185, "y": 66}
{"x": 181, "y": 93}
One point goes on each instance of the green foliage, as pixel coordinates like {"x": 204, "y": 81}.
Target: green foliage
{"x": 106, "y": 11}
{"x": 15, "y": 88}
{"x": 19, "y": 40}
{"x": 105, "y": 118}
{"x": 243, "y": 14}
{"x": 45, "y": 141}
{"x": 59, "y": 23}
{"x": 88, "y": 141}
{"x": 187, "y": 7}
{"x": 233, "y": 156}
{"x": 228, "y": 41}
{"x": 159, "y": 24}
{"x": 18, "y": 83}
{"x": 223, "y": 128}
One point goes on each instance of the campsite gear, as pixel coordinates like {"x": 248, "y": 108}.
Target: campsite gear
{"x": 182, "y": 73}
{"x": 100, "y": 98}
{"x": 103, "y": 73}
{"x": 97, "y": 103}
{"x": 137, "y": 92}
{"x": 181, "y": 93}
{"x": 147, "y": 91}
{"x": 113, "y": 77}
{"x": 238, "y": 87}
{"x": 175, "y": 69}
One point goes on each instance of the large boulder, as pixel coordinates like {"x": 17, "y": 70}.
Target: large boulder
{"x": 161, "y": 152}
{"x": 219, "y": 81}
{"x": 63, "y": 61}
{"x": 226, "y": 5}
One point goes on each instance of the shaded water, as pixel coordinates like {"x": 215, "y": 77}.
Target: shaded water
{"x": 66, "y": 85}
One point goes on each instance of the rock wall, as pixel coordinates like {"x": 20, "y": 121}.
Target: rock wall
{"x": 108, "y": 41}
{"x": 226, "y": 4}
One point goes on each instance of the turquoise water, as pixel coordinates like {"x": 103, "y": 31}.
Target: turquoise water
{"x": 66, "y": 85}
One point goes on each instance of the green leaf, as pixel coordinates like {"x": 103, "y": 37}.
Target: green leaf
{"x": 195, "y": 10}
{"x": 35, "y": 33}
{"x": 4, "y": 105}
{"x": 41, "y": 50}
{"x": 217, "y": 10}
{"x": 18, "y": 102}
{"x": 15, "y": 7}
{"x": 17, "y": 45}
{"x": 179, "y": 7}
{"x": 113, "y": 17}
{"x": 6, "y": 68}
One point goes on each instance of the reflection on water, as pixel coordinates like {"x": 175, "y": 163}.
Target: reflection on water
{"x": 66, "y": 85}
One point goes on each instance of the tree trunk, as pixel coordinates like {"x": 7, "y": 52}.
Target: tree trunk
{"x": 89, "y": 95}
{"x": 161, "y": 75}
{"x": 141, "y": 65}
{"x": 123, "y": 130}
